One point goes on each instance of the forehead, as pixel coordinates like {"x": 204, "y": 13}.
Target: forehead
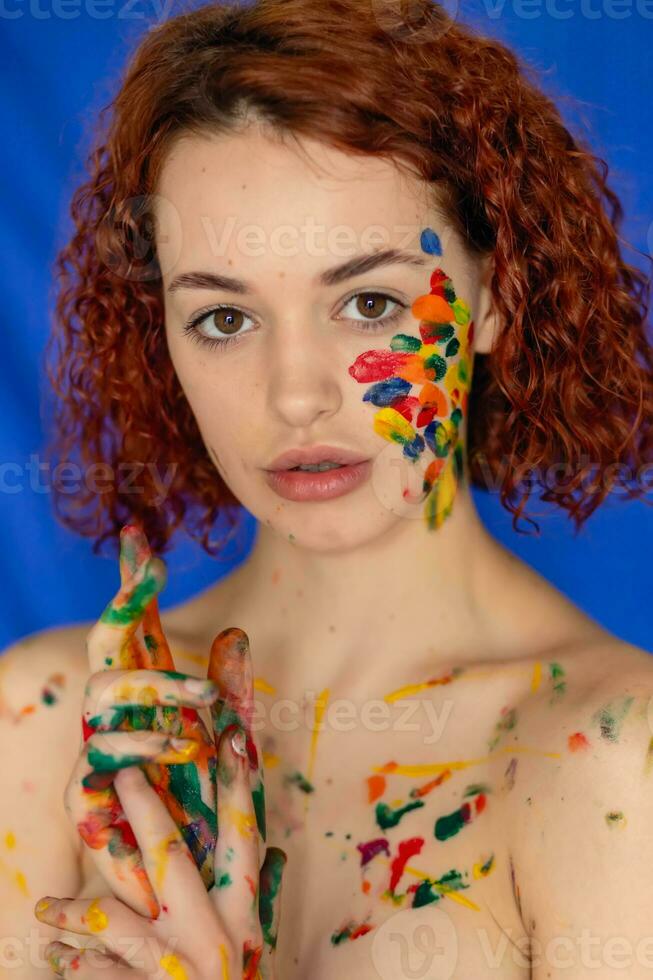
{"x": 250, "y": 195}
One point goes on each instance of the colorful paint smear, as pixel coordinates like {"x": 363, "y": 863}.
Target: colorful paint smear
{"x": 422, "y": 383}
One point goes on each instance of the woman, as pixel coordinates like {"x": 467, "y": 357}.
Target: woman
{"x": 376, "y": 251}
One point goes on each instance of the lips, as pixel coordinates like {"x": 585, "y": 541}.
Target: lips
{"x": 307, "y": 455}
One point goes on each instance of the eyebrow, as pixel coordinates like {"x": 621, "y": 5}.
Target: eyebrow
{"x": 356, "y": 266}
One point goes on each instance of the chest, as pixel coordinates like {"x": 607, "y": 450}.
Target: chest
{"x": 397, "y": 833}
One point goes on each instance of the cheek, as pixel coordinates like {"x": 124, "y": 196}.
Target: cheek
{"x": 420, "y": 382}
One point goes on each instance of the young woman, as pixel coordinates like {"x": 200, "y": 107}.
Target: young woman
{"x": 381, "y": 270}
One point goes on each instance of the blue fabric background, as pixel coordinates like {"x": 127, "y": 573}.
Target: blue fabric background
{"x": 63, "y": 59}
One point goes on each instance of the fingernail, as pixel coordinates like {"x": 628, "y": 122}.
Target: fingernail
{"x": 44, "y": 903}
{"x": 239, "y": 743}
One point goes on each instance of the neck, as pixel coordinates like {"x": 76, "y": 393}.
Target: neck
{"x": 412, "y": 592}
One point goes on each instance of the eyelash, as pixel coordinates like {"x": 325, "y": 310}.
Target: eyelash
{"x": 190, "y": 329}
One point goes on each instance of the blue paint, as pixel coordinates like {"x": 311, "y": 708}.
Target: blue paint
{"x": 384, "y": 392}
{"x": 430, "y": 242}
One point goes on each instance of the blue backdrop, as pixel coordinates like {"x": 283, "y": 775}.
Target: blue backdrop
{"x": 63, "y": 60}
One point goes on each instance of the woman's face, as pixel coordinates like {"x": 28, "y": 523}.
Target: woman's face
{"x": 313, "y": 346}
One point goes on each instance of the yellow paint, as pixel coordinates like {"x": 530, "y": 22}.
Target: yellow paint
{"x": 161, "y": 854}
{"x": 224, "y": 962}
{"x": 477, "y": 869}
{"x": 270, "y": 760}
{"x": 262, "y": 685}
{"x": 22, "y": 883}
{"x": 148, "y": 695}
{"x": 432, "y": 768}
{"x": 410, "y": 689}
{"x": 320, "y": 708}
{"x": 537, "y": 676}
{"x": 173, "y": 967}
{"x": 42, "y": 905}
{"x": 95, "y": 918}
{"x": 442, "y": 890}
{"x": 245, "y": 823}
{"x": 10, "y": 840}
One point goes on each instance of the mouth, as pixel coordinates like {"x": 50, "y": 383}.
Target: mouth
{"x": 315, "y": 482}
{"x": 315, "y": 459}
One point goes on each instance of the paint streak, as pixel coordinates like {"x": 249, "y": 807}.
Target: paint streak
{"x": 52, "y": 689}
{"x": 452, "y": 823}
{"x": 224, "y": 962}
{"x": 429, "y": 769}
{"x": 10, "y": 840}
{"x": 387, "y": 817}
{"x": 269, "y": 891}
{"x": 318, "y": 712}
{"x": 296, "y": 779}
{"x": 406, "y": 849}
{"x": 509, "y": 774}
{"x": 577, "y": 742}
{"x": 536, "y": 679}
{"x": 419, "y": 791}
{"x": 409, "y": 689}
{"x": 610, "y": 717}
{"x": 442, "y": 395}
{"x": 370, "y": 849}
{"x": 648, "y": 763}
{"x": 432, "y": 889}
{"x": 350, "y": 931}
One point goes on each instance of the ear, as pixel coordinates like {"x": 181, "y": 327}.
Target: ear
{"x": 486, "y": 322}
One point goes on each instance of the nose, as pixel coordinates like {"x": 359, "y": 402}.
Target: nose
{"x": 304, "y": 382}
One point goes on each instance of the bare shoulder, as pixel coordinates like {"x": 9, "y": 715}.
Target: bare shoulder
{"x": 577, "y": 785}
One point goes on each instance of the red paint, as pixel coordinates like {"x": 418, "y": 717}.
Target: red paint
{"x": 577, "y": 741}
{"x": 406, "y": 850}
{"x": 480, "y": 802}
{"x": 377, "y": 365}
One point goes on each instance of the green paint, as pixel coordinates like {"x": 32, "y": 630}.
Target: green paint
{"x": 108, "y": 661}
{"x": 135, "y": 606}
{"x": 430, "y": 890}
{"x": 296, "y": 779}
{"x": 258, "y": 799}
{"x": 270, "y": 885}
{"x": 555, "y": 673}
{"x": 450, "y": 824}
{"x": 387, "y": 817}
{"x": 610, "y": 717}
{"x": 291, "y": 537}
{"x": 475, "y": 788}
{"x": 223, "y": 879}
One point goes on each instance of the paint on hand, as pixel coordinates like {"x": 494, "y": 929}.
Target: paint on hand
{"x": 439, "y": 362}
{"x": 610, "y": 717}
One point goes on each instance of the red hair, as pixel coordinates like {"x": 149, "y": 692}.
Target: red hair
{"x": 568, "y": 380}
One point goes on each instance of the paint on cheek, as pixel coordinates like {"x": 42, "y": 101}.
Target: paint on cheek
{"x": 437, "y": 364}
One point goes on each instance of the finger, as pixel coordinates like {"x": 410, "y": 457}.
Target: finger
{"x": 140, "y": 687}
{"x": 109, "y": 642}
{"x": 168, "y": 862}
{"x": 83, "y": 963}
{"x": 134, "y": 552}
{"x": 230, "y": 667}
{"x": 235, "y": 893}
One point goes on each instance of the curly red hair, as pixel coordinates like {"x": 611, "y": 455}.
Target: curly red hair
{"x": 569, "y": 378}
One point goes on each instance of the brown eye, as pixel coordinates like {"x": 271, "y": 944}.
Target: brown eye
{"x": 371, "y": 304}
{"x": 227, "y": 320}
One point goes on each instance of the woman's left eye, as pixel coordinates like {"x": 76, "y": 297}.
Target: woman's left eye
{"x": 371, "y": 306}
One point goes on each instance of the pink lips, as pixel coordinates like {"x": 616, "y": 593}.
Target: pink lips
{"x": 303, "y": 486}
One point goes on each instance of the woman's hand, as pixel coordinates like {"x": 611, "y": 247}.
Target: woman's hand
{"x": 227, "y": 933}
{"x": 135, "y": 704}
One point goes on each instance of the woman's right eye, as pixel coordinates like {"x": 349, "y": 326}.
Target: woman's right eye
{"x": 225, "y": 321}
